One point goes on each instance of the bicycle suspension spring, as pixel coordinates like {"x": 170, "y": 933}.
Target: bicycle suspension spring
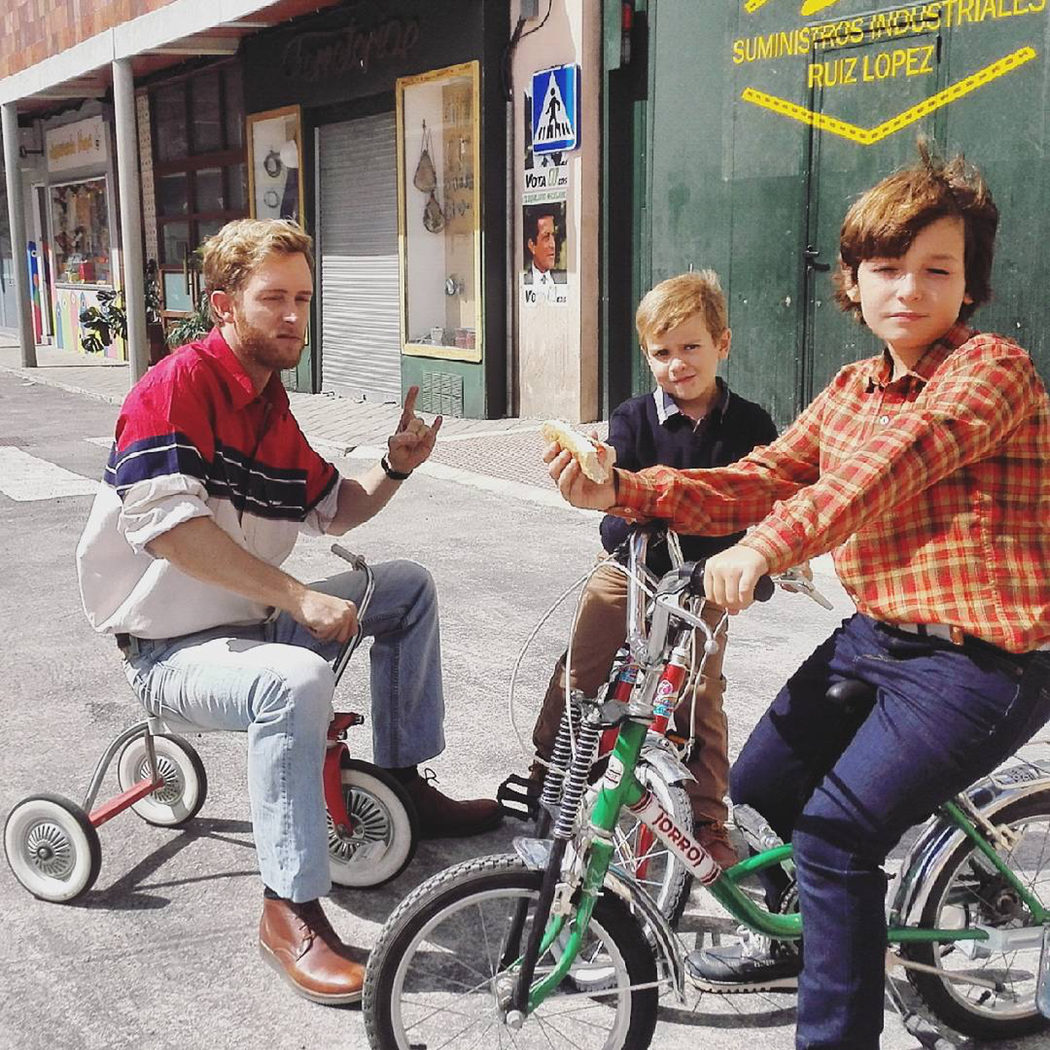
{"x": 561, "y": 756}
{"x": 576, "y": 779}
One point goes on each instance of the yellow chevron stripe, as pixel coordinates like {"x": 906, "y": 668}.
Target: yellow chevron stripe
{"x": 869, "y": 136}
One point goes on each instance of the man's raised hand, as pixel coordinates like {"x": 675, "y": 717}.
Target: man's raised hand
{"x": 413, "y": 441}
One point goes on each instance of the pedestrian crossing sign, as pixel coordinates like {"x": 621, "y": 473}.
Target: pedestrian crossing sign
{"x": 556, "y": 109}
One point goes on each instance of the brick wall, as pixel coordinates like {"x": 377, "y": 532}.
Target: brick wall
{"x": 32, "y": 30}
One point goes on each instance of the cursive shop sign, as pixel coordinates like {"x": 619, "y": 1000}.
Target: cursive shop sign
{"x": 842, "y": 51}
{"x": 318, "y": 56}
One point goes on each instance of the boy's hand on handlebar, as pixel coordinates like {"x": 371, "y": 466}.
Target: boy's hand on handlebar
{"x": 730, "y": 577}
{"x": 326, "y": 617}
{"x": 575, "y": 487}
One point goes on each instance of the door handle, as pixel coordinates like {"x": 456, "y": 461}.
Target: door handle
{"x": 811, "y": 255}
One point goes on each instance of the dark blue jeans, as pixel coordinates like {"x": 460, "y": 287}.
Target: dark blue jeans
{"x": 844, "y": 786}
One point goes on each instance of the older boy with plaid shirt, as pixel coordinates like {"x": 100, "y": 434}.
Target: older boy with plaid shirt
{"x": 924, "y": 470}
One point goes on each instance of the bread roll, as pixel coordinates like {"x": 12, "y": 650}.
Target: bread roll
{"x": 583, "y": 448}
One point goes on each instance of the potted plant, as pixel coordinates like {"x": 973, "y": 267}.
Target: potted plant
{"x": 158, "y": 348}
{"x": 108, "y": 319}
{"x": 104, "y": 322}
{"x": 194, "y": 325}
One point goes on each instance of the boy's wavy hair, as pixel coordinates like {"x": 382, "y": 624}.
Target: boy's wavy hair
{"x": 230, "y": 256}
{"x": 672, "y": 302}
{"x": 886, "y": 219}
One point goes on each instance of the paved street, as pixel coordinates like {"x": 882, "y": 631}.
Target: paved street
{"x": 162, "y": 951}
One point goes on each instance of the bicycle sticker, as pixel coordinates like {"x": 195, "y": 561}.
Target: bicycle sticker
{"x": 613, "y": 772}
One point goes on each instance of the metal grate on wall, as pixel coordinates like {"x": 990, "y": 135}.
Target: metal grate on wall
{"x": 441, "y": 393}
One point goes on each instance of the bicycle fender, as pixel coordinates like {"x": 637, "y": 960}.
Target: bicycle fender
{"x": 940, "y": 838}
{"x": 648, "y": 911}
{"x": 535, "y": 854}
{"x": 659, "y": 755}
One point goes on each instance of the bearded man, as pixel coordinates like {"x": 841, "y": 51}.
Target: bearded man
{"x": 208, "y": 484}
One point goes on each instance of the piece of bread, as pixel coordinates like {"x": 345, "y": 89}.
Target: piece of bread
{"x": 583, "y": 448}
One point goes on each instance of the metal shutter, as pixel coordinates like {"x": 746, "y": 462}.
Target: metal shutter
{"x": 360, "y": 293}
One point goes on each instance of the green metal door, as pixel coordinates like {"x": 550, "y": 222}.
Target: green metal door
{"x": 752, "y": 125}
{"x": 858, "y": 95}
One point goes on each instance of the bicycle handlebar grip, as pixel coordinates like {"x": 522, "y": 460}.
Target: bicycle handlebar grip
{"x": 763, "y": 588}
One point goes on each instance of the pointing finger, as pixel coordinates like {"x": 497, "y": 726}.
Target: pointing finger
{"x": 409, "y": 411}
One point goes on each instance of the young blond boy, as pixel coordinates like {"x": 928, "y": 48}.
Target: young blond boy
{"x": 924, "y": 470}
{"x": 690, "y": 420}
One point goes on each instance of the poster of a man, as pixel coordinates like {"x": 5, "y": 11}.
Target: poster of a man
{"x": 543, "y": 226}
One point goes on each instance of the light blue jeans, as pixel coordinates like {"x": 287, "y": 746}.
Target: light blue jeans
{"x": 274, "y": 680}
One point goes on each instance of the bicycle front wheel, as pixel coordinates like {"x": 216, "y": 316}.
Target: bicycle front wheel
{"x": 987, "y": 992}
{"x": 436, "y": 977}
{"x": 646, "y": 859}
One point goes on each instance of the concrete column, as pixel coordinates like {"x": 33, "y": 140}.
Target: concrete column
{"x": 130, "y": 218}
{"x": 17, "y": 220}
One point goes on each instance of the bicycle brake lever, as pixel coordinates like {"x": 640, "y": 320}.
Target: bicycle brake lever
{"x": 794, "y": 582}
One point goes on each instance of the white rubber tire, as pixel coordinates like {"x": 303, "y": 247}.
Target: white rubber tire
{"x": 185, "y": 786}
{"x": 52, "y": 848}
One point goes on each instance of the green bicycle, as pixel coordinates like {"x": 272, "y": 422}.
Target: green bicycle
{"x": 558, "y": 946}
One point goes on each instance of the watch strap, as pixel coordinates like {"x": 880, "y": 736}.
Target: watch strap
{"x": 394, "y": 475}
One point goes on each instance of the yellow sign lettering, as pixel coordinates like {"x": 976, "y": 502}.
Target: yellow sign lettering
{"x": 869, "y": 136}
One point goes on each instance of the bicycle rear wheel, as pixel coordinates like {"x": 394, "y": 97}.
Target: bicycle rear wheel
{"x": 435, "y": 977}
{"x": 970, "y": 892}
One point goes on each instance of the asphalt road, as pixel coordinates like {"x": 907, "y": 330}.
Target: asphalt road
{"x": 162, "y": 952}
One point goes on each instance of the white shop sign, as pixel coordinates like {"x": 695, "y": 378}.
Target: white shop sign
{"x": 78, "y": 145}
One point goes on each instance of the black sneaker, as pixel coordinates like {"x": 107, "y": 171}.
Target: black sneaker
{"x": 755, "y": 964}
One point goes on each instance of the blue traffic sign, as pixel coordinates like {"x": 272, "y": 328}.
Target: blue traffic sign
{"x": 556, "y": 109}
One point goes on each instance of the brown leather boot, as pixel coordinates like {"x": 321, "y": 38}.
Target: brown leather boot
{"x": 441, "y": 817}
{"x": 298, "y": 941}
{"x": 712, "y": 835}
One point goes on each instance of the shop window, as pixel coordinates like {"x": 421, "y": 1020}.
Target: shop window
{"x": 169, "y": 119}
{"x": 173, "y": 197}
{"x": 175, "y": 246}
{"x": 438, "y": 154}
{"x": 209, "y": 192}
{"x": 198, "y": 135}
{"x": 80, "y": 225}
{"x": 208, "y": 129}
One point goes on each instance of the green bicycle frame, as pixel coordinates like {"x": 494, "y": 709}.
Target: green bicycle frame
{"x": 627, "y": 790}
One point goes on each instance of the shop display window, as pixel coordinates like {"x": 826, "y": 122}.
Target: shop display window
{"x": 199, "y": 171}
{"x": 439, "y": 213}
{"x": 80, "y": 232}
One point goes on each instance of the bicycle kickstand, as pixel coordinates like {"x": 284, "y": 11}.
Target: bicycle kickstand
{"x": 928, "y": 1035}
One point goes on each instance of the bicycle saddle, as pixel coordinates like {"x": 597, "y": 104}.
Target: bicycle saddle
{"x": 851, "y": 696}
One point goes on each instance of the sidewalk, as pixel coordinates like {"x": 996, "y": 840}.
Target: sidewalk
{"x": 508, "y": 450}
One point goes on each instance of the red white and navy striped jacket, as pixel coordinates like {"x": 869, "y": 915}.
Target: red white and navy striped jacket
{"x": 194, "y": 439}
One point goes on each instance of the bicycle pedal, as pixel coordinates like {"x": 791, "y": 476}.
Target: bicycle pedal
{"x": 519, "y": 797}
{"x": 343, "y": 720}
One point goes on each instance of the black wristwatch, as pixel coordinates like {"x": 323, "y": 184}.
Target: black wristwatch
{"x": 393, "y": 475}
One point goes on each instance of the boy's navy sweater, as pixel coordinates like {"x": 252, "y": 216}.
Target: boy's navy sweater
{"x": 727, "y": 433}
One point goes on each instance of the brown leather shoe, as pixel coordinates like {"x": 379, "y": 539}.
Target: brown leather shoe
{"x": 712, "y": 835}
{"x": 298, "y": 941}
{"x": 441, "y": 817}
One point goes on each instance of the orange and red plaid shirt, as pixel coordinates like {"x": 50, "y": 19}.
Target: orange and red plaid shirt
{"x": 932, "y": 489}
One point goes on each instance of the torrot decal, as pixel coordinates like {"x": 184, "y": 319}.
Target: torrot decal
{"x": 906, "y": 28}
